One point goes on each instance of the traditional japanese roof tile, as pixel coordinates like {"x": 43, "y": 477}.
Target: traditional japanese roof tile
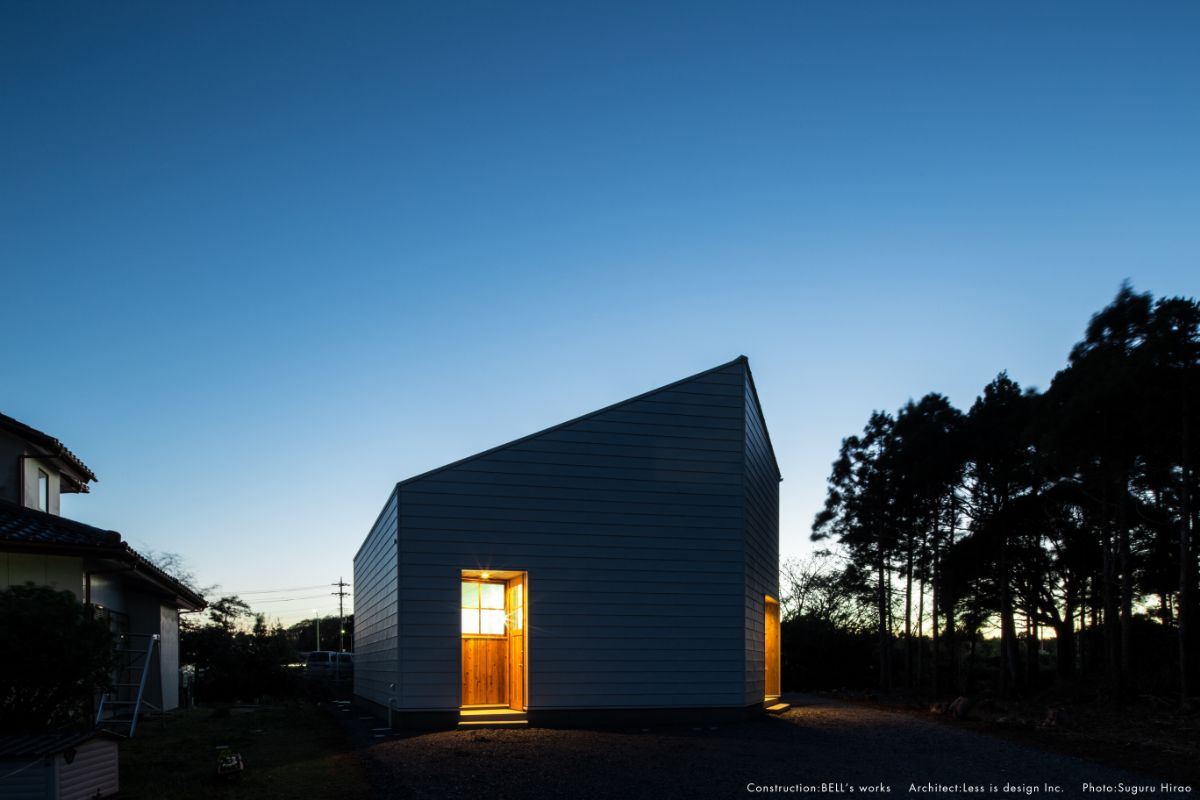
{"x": 30, "y": 530}
{"x": 54, "y": 448}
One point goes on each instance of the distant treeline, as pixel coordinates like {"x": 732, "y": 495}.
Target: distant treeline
{"x": 960, "y": 539}
{"x": 234, "y": 654}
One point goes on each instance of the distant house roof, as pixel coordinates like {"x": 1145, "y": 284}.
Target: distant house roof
{"x": 745, "y": 362}
{"x": 55, "y": 448}
{"x": 30, "y": 530}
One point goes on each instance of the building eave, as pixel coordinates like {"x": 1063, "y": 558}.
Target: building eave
{"x": 88, "y": 542}
{"x": 56, "y": 450}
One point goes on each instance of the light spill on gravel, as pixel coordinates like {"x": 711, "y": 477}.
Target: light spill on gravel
{"x": 818, "y": 741}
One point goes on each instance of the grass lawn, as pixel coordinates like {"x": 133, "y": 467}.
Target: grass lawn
{"x": 290, "y": 750}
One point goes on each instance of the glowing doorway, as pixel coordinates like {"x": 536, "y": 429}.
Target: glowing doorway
{"x": 494, "y": 644}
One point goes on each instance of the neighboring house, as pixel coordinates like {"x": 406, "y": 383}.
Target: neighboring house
{"x": 37, "y": 545}
{"x": 621, "y": 565}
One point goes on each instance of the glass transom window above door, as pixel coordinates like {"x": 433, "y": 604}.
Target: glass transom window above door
{"x": 482, "y": 608}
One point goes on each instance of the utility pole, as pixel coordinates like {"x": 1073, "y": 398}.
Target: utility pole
{"x": 341, "y": 594}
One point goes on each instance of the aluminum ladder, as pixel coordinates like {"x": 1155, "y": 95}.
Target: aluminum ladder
{"x": 124, "y": 702}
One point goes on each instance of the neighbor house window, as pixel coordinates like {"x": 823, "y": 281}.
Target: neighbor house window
{"x": 483, "y": 608}
{"x": 43, "y": 491}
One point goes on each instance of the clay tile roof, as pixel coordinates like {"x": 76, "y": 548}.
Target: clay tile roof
{"x": 30, "y": 529}
{"x": 54, "y": 446}
{"x": 29, "y": 526}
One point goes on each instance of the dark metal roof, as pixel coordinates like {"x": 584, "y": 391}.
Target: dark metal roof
{"x": 57, "y": 449}
{"x": 37, "y": 745}
{"x": 32, "y": 530}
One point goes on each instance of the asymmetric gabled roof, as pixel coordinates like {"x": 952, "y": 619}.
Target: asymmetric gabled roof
{"x": 56, "y": 449}
{"x": 29, "y": 530}
{"x": 740, "y": 359}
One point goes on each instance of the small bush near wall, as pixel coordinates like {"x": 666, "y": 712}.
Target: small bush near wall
{"x": 56, "y": 658}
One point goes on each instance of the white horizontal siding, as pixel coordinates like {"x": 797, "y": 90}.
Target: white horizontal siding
{"x": 168, "y": 659}
{"x": 375, "y": 607}
{"x": 630, "y": 526}
{"x": 517, "y": 484}
{"x": 762, "y": 543}
{"x": 92, "y": 773}
{"x": 703, "y": 506}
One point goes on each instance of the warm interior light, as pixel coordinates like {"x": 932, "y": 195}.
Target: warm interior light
{"x": 485, "y": 575}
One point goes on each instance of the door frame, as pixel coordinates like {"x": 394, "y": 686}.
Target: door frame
{"x": 505, "y": 578}
{"x": 772, "y": 683}
{"x": 521, "y": 582}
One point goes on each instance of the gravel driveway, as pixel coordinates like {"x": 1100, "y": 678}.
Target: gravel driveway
{"x": 819, "y": 741}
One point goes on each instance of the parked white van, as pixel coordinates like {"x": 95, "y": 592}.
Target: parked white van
{"x": 329, "y": 663}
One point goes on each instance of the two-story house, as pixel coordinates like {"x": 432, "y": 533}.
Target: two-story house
{"x": 37, "y": 545}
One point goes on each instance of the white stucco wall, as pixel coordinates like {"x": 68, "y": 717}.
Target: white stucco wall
{"x": 169, "y": 657}
{"x": 32, "y": 465}
{"x": 59, "y": 572}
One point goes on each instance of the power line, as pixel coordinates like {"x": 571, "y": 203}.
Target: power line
{"x": 274, "y": 591}
{"x": 286, "y": 599}
{"x": 291, "y": 618}
{"x": 307, "y": 617}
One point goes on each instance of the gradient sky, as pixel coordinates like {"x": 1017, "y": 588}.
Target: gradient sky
{"x": 261, "y": 261}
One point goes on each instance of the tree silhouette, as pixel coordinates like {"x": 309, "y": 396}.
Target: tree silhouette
{"x": 927, "y": 460}
{"x": 1072, "y": 510}
{"x": 860, "y": 513}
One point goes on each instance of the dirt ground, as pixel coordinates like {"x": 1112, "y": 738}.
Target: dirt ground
{"x": 850, "y": 748}
{"x": 290, "y": 750}
{"x": 1145, "y": 735}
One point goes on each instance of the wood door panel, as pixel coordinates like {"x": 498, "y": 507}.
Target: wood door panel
{"x": 516, "y": 643}
{"x": 484, "y": 671}
{"x": 771, "y": 648}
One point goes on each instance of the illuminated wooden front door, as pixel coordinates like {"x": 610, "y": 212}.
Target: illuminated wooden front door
{"x": 484, "y": 643}
{"x": 771, "y": 647}
{"x": 495, "y": 616}
{"x": 485, "y": 667}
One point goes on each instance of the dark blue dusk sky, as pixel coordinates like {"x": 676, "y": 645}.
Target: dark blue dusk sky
{"x": 261, "y": 261}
